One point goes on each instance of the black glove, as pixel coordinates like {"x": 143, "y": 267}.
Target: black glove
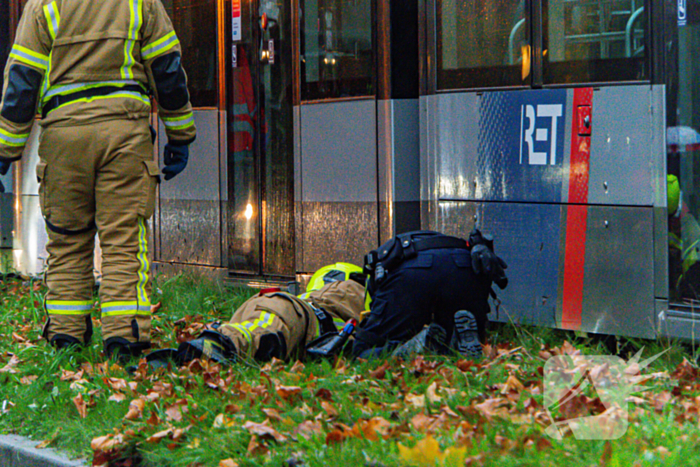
{"x": 4, "y": 168}
{"x": 175, "y": 158}
{"x": 485, "y": 261}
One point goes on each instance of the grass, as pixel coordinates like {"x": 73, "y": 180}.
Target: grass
{"x": 427, "y": 411}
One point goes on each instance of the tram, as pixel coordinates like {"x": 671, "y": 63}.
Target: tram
{"x": 563, "y": 127}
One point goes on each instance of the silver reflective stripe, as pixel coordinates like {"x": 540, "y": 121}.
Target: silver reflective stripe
{"x": 185, "y": 122}
{"x": 29, "y": 57}
{"x": 68, "y": 307}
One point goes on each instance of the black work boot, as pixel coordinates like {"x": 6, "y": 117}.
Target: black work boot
{"x": 210, "y": 344}
{"x": 124, "y": 350}
{"x": 431, "y": 339}
{"x": 66, "y": 342}
{"x": 466, "y": 335}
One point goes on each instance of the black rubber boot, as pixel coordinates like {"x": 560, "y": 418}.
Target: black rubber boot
{"x": 430, "y": 340}
{"x": 124, "y": 350}
{"x": 66, "y": 342}
{"x": 211, "y": 345}
{"x": 466, "y": 335}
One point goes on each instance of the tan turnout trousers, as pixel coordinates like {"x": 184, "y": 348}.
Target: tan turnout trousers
{"x": 261, "y": 317}
{"x": 98, "y": 176}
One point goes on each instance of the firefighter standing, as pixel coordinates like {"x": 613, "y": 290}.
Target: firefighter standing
{"x": 89, "y": 67}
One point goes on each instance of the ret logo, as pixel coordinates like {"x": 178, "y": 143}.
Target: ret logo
{"x": 538, "y": 133}
{"x": 575, "y": 384}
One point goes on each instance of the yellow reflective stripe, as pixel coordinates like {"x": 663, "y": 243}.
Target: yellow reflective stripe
{"x": 71, "y": 88}
{"x": 130, "y": 95}
{"x": 53, "y": 18}
{"x": 142, "y": 256}
{"x": 126, "y": 313}
{"x": 257, "y": 322}
{"x": 135, "y": 21}
{"x": 238, "y": 327}
{"x": 29, "y": 57}
{"x": 69, "y": 312}
{"x": 160, "y": 46}
{"x": 126, "y": 308}
{"x": 179, "y": 123}
{"x": 119, "y": 304}
{"x": 12, "y": 139}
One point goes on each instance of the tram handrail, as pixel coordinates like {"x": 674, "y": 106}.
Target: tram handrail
{"x": 511, "y": 39}
{"x": 629, "y": 28}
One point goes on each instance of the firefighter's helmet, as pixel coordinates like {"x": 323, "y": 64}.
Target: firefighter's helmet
{"x": 331, "y": 273}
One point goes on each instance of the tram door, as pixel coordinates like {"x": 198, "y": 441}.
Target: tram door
{"x": 260, "y": 139}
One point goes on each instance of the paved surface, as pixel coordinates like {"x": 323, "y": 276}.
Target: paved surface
{"x": 17, "y": 451}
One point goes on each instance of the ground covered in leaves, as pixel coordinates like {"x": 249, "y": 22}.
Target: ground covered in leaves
{"x": 426, "y": 411}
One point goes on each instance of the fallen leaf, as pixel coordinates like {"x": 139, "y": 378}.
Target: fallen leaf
{"x": 135, "y": 411}
{"x": 264, "y": 431}
{"x": 427, "y": 452}
{"x": 380, "y": 372}
{"x": 371, "y": 429}
{"x": 117, "y": 397}
{"x": 431, "y": 393}
{"x": 222, "y": 421}
{"x": 415, "y": 401}
{"x": 106, "y": 443}
{"x": 307, "y": 429}
{"x": 156, "y": 437}
{"x": 79, "y": 403}
{"x": 228, "y": 463}
{"x": 330, "y": 410}
{"x": 287, "y": 392}
{"x": 255, "y": 448}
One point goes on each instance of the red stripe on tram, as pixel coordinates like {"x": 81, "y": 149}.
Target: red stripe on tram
{"x": 576, "y": 217}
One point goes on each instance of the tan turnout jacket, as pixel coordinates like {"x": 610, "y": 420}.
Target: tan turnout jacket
{"x": 68, "y": 47}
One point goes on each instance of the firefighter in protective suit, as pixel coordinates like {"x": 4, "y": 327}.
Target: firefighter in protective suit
{"x": 429, "y": 292}
{"x": 280, "y": 325}
{"x": 90, "y": 67}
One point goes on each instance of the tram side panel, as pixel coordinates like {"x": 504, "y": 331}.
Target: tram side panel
{"x": 573, "y": 207}
{"x": 188, "y": 219}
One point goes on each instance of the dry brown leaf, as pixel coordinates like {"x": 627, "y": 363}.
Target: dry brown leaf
{"x": 330, "y": 410}
{"x": 308, "y": 429}
{"x": 117, "y": 397}
{"x": 228, "y": 463}
{"x": 10, "y": 366}
{"x": 272, "y": 414}
{"x": 27, "y": 380}
{"x": 493, "y": 408}
{"x": 79, "y": 403}
{"x": 371, "y": 429}
{"x": 512, "y": 385}
{"x": 156, "y": 437}
{"x": 287, "y": 392}
{"x": 256, "y": 448}
{"x": 115, "y": 384}
{"x": 135, "y": 411}
{"x": 175, "y": 411}
{"x": 222, "y": 421}
{"x": 380, "y": 372}
{"x": 415, "y": 401}
{"x": 431, "y": 393}
{"x": 264, "y": 431}
{"x": 298, "y": 367}
{"x": 106, "y": 443}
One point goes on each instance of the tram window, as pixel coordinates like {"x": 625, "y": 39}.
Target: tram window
{"x": 195, "y": 24}
{"x": 482, "y": 43}
{"x": 594, "y": 41}
{"x": 336, "y": 49}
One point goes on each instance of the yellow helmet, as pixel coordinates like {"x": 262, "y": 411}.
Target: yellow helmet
{"x": 673, "y": 194}
{"x": 331, "y": 273}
